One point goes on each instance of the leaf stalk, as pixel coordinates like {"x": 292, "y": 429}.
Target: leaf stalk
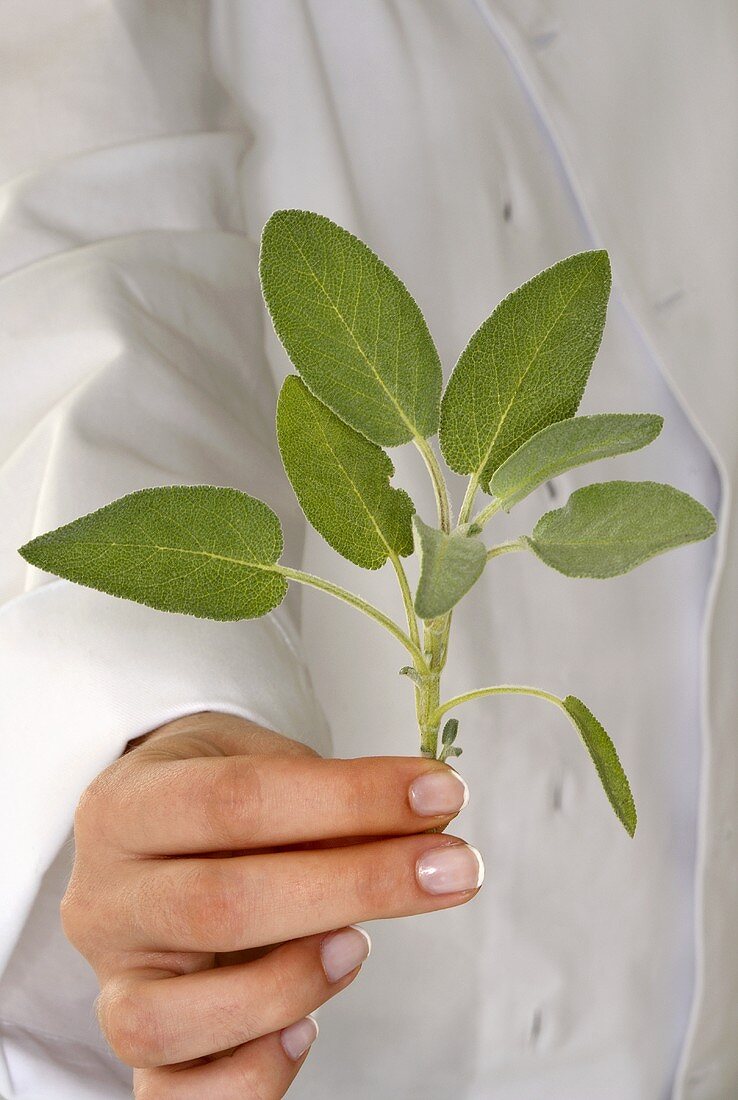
{"x": 496, "y": 689}
{"x": 487, "y": 512}
{"x": 439, "y": 483}
{"x": 508, "y": 547}
{"x": 407, "y": 598}
{"x": 350, "y": 598}
{"x": 468, "y": 502}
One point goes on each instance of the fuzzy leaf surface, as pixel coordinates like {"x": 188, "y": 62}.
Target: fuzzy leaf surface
{"x": 610, "y": 528}
{"x": 351, "y": 328}
{"x": 449, "y": 566}
{"x": 341, "y": 480}
{"x": 566, "y": 444}
{"x": 606, "y": 761}
{"x": 195, "y": 549}
{"x": 450, "y": 731}
{"x": 526, "y": 366}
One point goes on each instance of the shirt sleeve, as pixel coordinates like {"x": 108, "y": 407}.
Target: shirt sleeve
{"x": 131, "y": 355}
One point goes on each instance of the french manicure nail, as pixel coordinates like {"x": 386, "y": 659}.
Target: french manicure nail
{"x": 298, "y": 1037}
{"x": 438, "y": 792}
{"x": 450, "y": 870}
{"x": 343, "y": 951}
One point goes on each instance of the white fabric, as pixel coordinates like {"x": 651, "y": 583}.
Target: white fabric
{"x": 471, "y": 144}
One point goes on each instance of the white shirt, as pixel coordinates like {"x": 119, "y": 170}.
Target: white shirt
{"x": 143, "y": 149}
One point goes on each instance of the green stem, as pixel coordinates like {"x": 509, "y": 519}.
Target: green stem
{"x": 355, "y": 601}
{"x": 498, "y": 689}
{"x": 439, "y": 482}
{"x": 486, "y": 513}
{"x": 468, "y": 501}
{"x": 444, "y": 630}
{"x": 407, "y": 598}
{"x": 435, "y": 647}
{"x": 506, "y": 548}
{"x": 421, "y": 668}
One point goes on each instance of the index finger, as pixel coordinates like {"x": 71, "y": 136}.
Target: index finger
{"x": 235, "y": 803}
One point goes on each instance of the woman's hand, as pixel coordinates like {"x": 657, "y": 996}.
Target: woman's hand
{"x": 219, "y": 867}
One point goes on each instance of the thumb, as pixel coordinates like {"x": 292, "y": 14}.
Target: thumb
{"x": 212, "y": 733}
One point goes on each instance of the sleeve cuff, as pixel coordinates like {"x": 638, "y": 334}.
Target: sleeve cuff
{"x": 82, "y": 673}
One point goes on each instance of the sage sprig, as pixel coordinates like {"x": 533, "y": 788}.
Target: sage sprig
{"x": 369, "y": 377}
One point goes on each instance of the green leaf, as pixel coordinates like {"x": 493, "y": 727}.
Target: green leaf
{"x": 194, "y": 549}
{"x": 350, "y": 327}
{"x": 341, "y": 480}
{"x": 606, "y": 760}
{"x": 569, "y": 443}
{"x": 607, "y": 529}
{"x": 449, "y": 566}
{"x": 412, "y": 674}
{"x": 450, "y": 730}
{"x": 448, "y": 736}
{"x": 526, "y": 366}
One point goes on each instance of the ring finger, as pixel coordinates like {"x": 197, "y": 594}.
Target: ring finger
{"x": 154, "y": 1021}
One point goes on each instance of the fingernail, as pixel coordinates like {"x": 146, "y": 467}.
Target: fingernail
{"x": 298, "y": 1037}
{"x": 438, "y": 792}
{"x": 451, "y": 869}
{"x": 343, "y": 951}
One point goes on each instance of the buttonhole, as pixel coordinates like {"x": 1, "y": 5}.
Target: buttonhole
{"x": 668, "y": 299}
{"x": 541, "y": 41}
{"x": 536, "y": 1024}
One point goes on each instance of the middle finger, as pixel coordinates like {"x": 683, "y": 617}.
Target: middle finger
{"x": 221, "y": 905}
{"x": 150, "y": 1020}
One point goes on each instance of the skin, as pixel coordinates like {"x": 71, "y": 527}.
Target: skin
{"x": 211, "y": 860}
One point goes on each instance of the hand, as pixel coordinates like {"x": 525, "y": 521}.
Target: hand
{"x": 211, "y": 861}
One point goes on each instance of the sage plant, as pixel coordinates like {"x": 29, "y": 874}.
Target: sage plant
{"x": 369, "y": 378}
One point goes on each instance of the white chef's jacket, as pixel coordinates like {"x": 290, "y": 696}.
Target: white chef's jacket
{"x": 471, "y": 143}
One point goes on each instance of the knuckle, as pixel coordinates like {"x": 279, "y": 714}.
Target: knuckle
{"x": 153, "y": 1087}
{"x": 287, "y": 990}
{"x": 88, "y": 811}
{"x": 145, "y": 1089}
{"x": 74, "y": 912}
{"x": 365, "y": 787}
{"x": 69, "y": 911}
{"x": 131, "y": 1025}
{"x": 255, "y": 1085}
{"x": 96, "y": 805}
{"x": 299, "y": 748}
{"x": 233, "y": 805}
{"x": 377, "y": 885}
{"x": 214, "y": 907}
{"x": 89, "y": 916}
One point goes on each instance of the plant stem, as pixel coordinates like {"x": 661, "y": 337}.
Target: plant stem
{"x": 486, "y": 513}
{"x": 426, "y": 703}
{"x": 357, "y": 602}
{"x": 427, "y": 699}
{"x": 439, "y": 482}
{"x": 506, "y": 548}
{"x": 468, "y": 501}
{"x": 407, "y": 598}
{"x": 498, "y": 689}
